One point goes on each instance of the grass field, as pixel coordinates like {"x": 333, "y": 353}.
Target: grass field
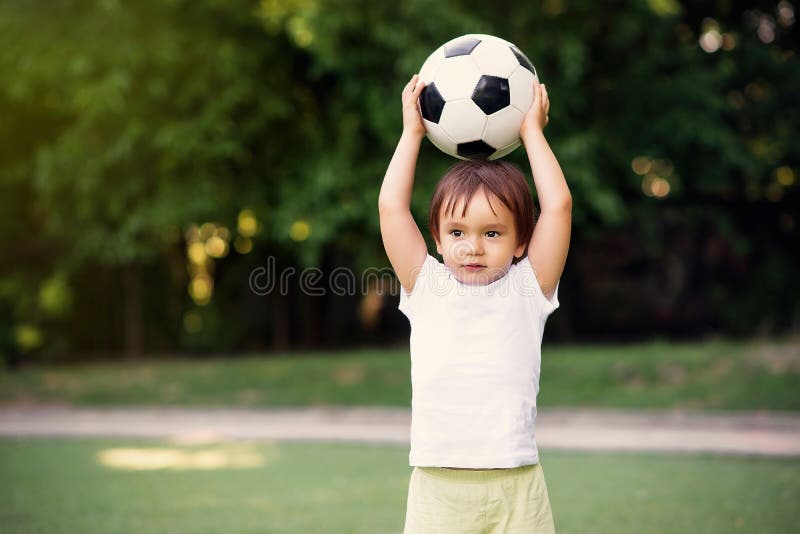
{"x": 121, "y": 486}
{"x": 717, "y": 375}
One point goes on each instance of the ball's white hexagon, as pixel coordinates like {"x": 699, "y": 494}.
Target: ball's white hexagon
{"x": 463, "y": 121}
{"x": 457, "y": 78}
{"x": 431, "y": 66}
{"x": 494, "y": 58}
{"x": 440, "y": 138}
{"x": 506, "y": 150}
{"x": 502, "y": 127}
{"x": 520, "y": 85}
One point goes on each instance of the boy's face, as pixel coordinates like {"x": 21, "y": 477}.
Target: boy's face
{"x": 479, "y": 247}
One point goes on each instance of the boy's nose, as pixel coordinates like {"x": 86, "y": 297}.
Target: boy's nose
{"x": 465, "y": 249}
{"x": 477, "y": 246}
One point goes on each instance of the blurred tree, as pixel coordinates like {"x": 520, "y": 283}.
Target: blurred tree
{"x": 125, "y": 124}
{"x": 672, "y": 122}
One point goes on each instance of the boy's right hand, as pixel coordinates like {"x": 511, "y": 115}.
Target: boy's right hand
{"x": 412, "y": 120}
{"x": 537, "y": 116}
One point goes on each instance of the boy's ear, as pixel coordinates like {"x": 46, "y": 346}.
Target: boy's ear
{"x": 438, "y": 246}
{"x": 520, "y": 250}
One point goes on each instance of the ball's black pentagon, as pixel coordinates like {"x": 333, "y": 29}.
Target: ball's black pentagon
{"x": 492, "y": 94}
{"x": 431, "y": 103}
{"x": 462, "y": 47}
{"x": 523, "y": 59}
{"x": 474, "y": 150}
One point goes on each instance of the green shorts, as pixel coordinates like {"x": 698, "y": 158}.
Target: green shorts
{"x": 486, "y": 501}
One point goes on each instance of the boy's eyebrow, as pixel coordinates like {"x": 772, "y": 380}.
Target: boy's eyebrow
{"x": 498, "y": 226}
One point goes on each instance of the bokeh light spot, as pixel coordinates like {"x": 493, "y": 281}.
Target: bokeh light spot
{"x": 207, "y": 230}
{"x": 55, "y": 297}
{"x": 300, "y": 231}
{"x": 728, "y": 41}
{"x": 664, "y": 8}
{"x": 785, "y": 176}
{"x": 197, "y": 253}
{"x": 655, "y": 186}
{"x": 785, "y": 13}
{"x": 223, "y": 233}
{"x": 216, "y": 247}
{"x": 243, "y": 245}
{"x": 300, "y": 30}
{"x": 247, "y": 224}
{"x": 201, "y": 288}
{"x": 766, "y": 29}
{"x": 663, "y": 167}
{"x": 710, "y": 41}
{"x": 28, "y": 337}
{"x": 641, "y": 165}
{"x": 660, "y": 187}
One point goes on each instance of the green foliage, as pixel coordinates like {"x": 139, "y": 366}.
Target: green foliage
{"x": 124, "y": 123}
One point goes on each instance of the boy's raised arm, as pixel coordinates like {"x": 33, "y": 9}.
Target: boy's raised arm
{"x": 547, "y": 250}
{"x": 402, "y": 239}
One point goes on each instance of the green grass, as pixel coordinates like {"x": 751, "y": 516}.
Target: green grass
{"x": 62, "y": 485}
{"x": 715, "y": 375}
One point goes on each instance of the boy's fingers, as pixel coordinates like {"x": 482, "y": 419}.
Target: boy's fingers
{"x": 414, "y": 87}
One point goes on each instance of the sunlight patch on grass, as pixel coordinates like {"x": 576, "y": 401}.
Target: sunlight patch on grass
{"x": 225, "y": 456}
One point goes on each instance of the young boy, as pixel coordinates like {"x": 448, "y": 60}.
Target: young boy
{"x": 476, "y": 327}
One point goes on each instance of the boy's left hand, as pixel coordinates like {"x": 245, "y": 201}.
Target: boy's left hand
{"x": 537, "y": 116}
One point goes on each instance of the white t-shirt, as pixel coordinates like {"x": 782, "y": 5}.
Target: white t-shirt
{"x": 475, "y": 359}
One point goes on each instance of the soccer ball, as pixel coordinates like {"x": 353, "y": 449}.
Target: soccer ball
{"x": 477, "y": 90}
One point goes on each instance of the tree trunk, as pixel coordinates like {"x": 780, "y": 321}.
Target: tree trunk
{"x": 280, "y": 321}
{"x": 133, "y": 315}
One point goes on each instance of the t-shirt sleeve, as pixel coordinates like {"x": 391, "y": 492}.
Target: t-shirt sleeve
{"x": 530, "y": 284}
{"x": 408, "y": 300}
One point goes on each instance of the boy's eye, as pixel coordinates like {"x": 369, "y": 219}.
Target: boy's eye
{"x": 455, "y": 233}
{"x": 492, "y": 233}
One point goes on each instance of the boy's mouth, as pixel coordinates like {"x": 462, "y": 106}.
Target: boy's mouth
{"x": 474, "y": 266}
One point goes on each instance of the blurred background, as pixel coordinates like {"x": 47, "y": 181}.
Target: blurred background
{"x": 155, "y": 153}
{"x": 186, "y": 188}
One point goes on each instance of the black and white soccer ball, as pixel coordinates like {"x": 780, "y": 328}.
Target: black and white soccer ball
{"x": 477, "y": 91}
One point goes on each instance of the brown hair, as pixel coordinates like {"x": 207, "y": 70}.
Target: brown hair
{"x": 499, "y": 179}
